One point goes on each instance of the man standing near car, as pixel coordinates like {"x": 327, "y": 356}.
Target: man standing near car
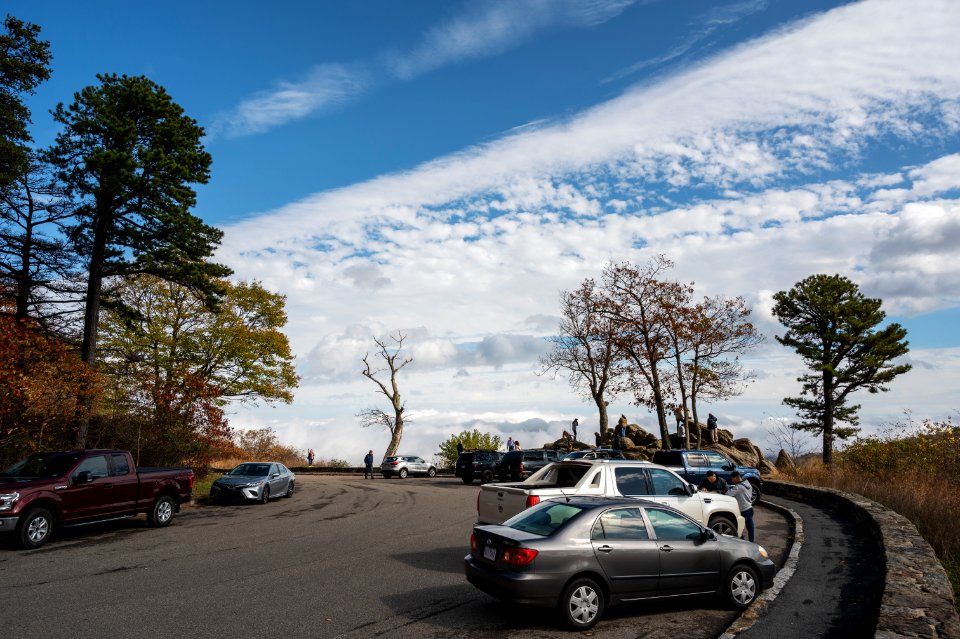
{"x": 744, "y": 494}
{"x": 368, "y": 465}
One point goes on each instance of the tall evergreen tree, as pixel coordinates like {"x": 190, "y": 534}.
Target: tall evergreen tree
{"x": 24, "y": 64}
{"x": 834, "y": 328}
{"x": 128, "y": 156}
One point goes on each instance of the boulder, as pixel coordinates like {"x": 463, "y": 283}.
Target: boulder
{"x": 767, "y": 468}
{"x": 785, "y": 463}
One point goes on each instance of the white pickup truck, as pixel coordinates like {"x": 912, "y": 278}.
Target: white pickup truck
{"x": 609, "y": 478}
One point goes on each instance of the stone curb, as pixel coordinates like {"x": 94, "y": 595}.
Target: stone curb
{"x": 758, "y": 608}
{"x": 917, "y": 595}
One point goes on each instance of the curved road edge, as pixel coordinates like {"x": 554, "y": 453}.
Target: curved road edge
{"x": 752, "y": 615}
{"x": 918, "y": 599}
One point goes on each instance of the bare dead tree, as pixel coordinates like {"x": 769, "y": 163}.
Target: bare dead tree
{"x": 370, "y": 417}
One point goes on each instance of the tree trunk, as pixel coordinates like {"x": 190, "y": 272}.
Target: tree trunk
{"x": 602, "y": 409}
{"x": 396, "y": 434}
{"x": 91, "y": 323}
{"x": 827, "y": 418}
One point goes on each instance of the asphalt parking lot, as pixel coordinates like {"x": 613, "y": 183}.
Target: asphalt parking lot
{"x": 344, "y": 557}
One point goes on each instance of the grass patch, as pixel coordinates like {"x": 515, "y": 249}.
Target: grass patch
{"x": 201, "y": 485}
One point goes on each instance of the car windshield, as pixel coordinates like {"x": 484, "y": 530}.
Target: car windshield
{"x": 544, "y": 519}
{"x": 42, "y": 465}
{"x": 251, "y": 470}
{"x": 575, "y": 455}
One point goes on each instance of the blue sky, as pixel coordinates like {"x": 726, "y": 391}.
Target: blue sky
{"x": 445, "y": 169}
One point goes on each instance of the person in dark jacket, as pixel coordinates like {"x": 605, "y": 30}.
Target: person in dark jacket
{"x": 368, "y": 465}
{"x": 713, "y": 484}
{"x": 712, "y": 428}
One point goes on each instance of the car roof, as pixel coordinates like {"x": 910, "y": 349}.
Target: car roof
{"x": 586, "y": 501}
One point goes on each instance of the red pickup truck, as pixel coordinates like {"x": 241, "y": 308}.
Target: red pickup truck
{"x": 77, "y": 487}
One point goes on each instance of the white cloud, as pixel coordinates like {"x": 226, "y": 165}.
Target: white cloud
{"x": 719, "y": 167}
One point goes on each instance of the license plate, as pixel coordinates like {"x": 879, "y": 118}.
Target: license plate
{"x": 490, "y": 553}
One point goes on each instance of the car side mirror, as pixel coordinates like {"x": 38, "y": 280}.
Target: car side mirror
{"x": 691, "y": 490}
{"x": 274, "y": 476}
{"x": 83, "y": 477}
{"x": 707, "y": 535}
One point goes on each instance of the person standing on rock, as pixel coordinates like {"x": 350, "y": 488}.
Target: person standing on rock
{"x": 576, "y": 422}
{"x": 510, "y": 443}
{"x": 712, "y": 428}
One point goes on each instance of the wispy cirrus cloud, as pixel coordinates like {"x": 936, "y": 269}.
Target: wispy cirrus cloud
{"x": 486, "y": 29}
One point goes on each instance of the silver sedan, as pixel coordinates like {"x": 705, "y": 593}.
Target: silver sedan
{"x": 585, "y": 553}
{"x": 254, "y": 481}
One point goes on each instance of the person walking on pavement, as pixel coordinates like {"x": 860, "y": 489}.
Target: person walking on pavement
{"x": 744, "y": 494}
{"x": 310, "y": 457}
{"x": 713, "y": 484}
{"x": 368, "y": 465}
{"x": 712, "y": 428}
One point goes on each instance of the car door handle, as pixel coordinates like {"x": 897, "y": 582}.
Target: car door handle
{"x": 605, "y": 548}
{"x": 666, "y": 548}
{"x": 108, "y": 486}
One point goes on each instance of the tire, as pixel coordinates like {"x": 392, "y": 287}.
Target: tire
{"x": 265, "y": 494}
{"x": 289, "y": 493}
{"x": 581, "y": 604}
{"x": 756, "y": 492}
{"x": 432, "y": 472}
{"x": 403, "y": 473}
{"x": 723, "y": 525}
{"x": 486, "y": 476}
{"x": 467, "y": 480}
{"x": 161, "y": 513}
{"x": 741, "y": 587}
{"x": 35, "y": 528}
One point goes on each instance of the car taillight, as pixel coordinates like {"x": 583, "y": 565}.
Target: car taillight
{"x": 532, "y": 500}
{"x": 473, "y": 544}
{"x": 519, "y": 556}
{"x": 191, "y": 482}
{"x": 394, "y": 463}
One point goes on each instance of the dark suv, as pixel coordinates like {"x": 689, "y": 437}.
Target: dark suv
{"x": 517, "y": 465}
{"x": 477, "y": 464}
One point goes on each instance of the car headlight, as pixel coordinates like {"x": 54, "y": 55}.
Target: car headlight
{"x": 252, "y": 484}
{"x": 7, "y": 500}
{"x": 763, "y": 551}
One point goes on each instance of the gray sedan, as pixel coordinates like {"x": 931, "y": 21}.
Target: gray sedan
{"x": 585, "y": 553}
{"x": 258, "y": 481}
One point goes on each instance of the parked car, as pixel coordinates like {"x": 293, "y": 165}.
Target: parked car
{"x": 46, "y": 491}
{"x": 403, "y": 465}
{"x": 584, "y": 554}
{"x": 598, "y": 453}
{"x": 610, "y": 478}
{"x": 693, "y": 466}
{"x": 516, "y": 465}
{"x": 254, "y": 481}
{"x": 477, "y": 464}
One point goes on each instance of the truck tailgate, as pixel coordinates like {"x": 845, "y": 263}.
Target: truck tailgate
{"x": 499, "y": 502}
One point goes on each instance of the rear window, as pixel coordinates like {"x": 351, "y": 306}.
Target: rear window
{"x": 667, "y": 458}
{"x": 543, "y": 519}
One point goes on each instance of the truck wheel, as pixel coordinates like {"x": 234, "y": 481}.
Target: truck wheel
{"x": 741, "y": 586}
{"x": 723, "y": 525}
{"x": 486, "y": 476}
{"x": 582, "y": 604}
{"x": 756, "y": 492}
{"x": 161, "y": 514}
{"x": 432, "y": 472}
{"x": 35, "y": 528}
{"x": 467, "y": 480}
{"x": 403, "y": 473}
{"x": 265, "y": 494}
